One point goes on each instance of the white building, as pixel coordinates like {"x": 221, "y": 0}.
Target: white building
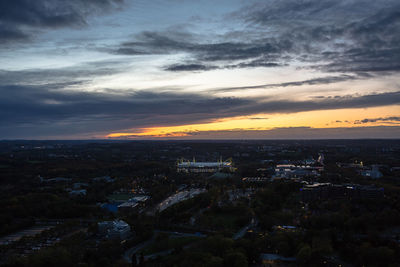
{"x": 134, "y": 203}
{"x": 297, "y": 171}
{"x": 117, "y": 229}
{"x": 178, "y": 197}
{"x": 203, "y": 167}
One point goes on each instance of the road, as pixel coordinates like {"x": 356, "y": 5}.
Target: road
{"x": 134, "y": 250}
{"x": 244, "y": 230}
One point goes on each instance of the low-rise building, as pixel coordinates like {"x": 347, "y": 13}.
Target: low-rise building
{"x": 275, "y": 259}
{"x": 117, "y": 229}
{"x": 325, "y": 191}
{"x": 372, "y": 172}
{"x": 106, "y": 179}
{"x": 56, "y": 179}
{"x": 79, "y": 185}
{"x": 255, "y": 179}
{"x": 81, "y": 192}
{"x": 355, "y": 165}
{"x": 204, "y": 167}
{"x": 134, "y": 203}
{"x": 297, "y": 171}
{"x": 128, "y": 206}
{"x": 178, "y": 197}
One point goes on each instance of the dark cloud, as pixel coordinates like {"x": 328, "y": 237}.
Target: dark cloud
{"x": 339, "y": 102}
{"x": 10, "y": 34}
{"x": 73, "y": 75}
{"x": 365, "y": 60}
{"x": 20, "y": 18}
{"x": 255, "y": 64}
{"x": 260, "y": 53}
{"x": 241, "y": 51}
{"x": 392, "y": 119}
{"x": 369, "y": 43}
{"x": 53, "y": 108}
{"x": 271, "y": 11}
{"x": 334, "y": 35}
{"x": 251, "y": 54}
{"x": 316, "y": 81}
{"x": 352, "y": 35}
{"x": 201, "y": 67}
{"x": 357, "y": 38}
{"x": 49, "y": 110}
{"x": 190, "y": 67}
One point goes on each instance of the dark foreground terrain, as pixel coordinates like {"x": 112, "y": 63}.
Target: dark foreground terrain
{"x": 280, "y": 203}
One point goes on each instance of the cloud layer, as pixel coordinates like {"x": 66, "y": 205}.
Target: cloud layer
{"x": 55, "y": 108}
{"x": 260, "y": 57}
{"x": 20, "y": 19}
{"x": 335, "y": 36}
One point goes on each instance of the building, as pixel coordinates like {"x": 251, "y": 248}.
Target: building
{"x": 255, "y": 179}
{"x": 134, "y": 203}
{"x": 297, "y": 171}
{"x": 141, "y": 199}
{"x": 117, "y": 229}
{"x": 128, "y": 206}
{"x": 80, "y": 192}
{"x": 204, "y": 167}
{"x": 322, "y": 191}
{"x": 355, "y": 165}
{"x": 106, "y": 179}
{"x": 284, "y": 228}
{"x": 327, "y": 191}
{"x": 321, "y": 158}
{"x": 369, "y": 192}
{"x": 275, "y": 260}
{"x": 372, "y": 173}
{"x": 79, "y": 185}
{"x": 178, "y": 197}
{"x": 56, "y": 179}
{"x": 366, "y": 171}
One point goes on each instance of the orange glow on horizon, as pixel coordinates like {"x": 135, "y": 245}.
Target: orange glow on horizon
{"x": 259, "y": 122}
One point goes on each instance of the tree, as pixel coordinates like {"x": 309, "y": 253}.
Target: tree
{"x": 235, "y": 259}
{"x": 134, "y": 260}
{"x": 217, "y": 245}
{"x": 304, "y": 254}
{"x": 321, "y": 246}
{"x": 381, "y": 256}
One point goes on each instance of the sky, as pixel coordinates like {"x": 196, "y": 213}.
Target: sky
{"x": 206, "y": 69}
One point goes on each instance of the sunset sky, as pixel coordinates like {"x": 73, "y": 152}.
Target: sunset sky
{"x": 206, "y": 69}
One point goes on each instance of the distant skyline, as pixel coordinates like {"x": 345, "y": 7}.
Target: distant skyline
{"x": 180, "y": 69}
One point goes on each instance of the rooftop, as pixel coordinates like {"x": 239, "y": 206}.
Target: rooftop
{"x": 203, "y": 164}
